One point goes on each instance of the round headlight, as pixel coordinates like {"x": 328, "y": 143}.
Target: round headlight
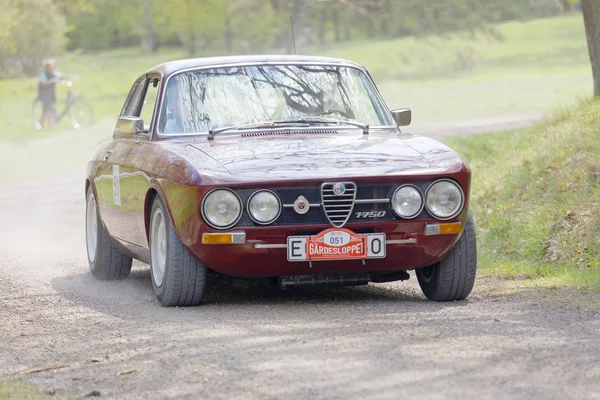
{"x": 221, "y": 208}
{"x": 407, "y": 201}
{"x": 264, "y": 207}
{"x": 444, "y": 199}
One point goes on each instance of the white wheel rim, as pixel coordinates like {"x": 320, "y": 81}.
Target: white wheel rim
{"x": 91, "y": 228}
{"x": 158, "y": 247}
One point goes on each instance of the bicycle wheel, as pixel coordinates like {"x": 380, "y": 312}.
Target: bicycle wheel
{"x": 37, "y": 110}
{"x": 81, "y": 113}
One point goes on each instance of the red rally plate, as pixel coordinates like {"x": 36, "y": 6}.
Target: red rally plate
{"x": 336, "y": 244}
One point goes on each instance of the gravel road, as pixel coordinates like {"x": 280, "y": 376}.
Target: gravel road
{"x": 377, "y": 342}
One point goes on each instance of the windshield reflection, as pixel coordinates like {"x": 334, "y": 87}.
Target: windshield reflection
{"x": 201, "y": 100}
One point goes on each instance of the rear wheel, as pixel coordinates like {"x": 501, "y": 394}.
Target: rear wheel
{"x": 106, "y": 263}
{"x": 453, "y": 277}
{"x": 178, "y": 278}
{"x": 81, "y": 114}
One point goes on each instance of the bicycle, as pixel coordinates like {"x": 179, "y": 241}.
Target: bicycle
{"x": 77, "y": 107}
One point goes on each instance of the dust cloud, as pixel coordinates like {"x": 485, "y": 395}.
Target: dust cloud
{"x": 62, "y": 154}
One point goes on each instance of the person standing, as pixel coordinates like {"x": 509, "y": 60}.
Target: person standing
{"x": 47, "y": 93}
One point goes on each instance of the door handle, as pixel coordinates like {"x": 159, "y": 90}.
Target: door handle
{"x": 108, "y": 153}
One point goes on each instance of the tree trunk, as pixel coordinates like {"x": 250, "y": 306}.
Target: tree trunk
{"x": 192, "y": 43}
{"x": 228, "y": 36}
{"x": 149, "y": 40}
{"x": 336, "y": 23}
{"x": 297, "y": 8}
{"x": 346, "y": 25}
{"x": 591, "y": 18}
{"x": 386, "y": 23}
{"x": 322, "y": 23}
{"x": 566, "y": 5}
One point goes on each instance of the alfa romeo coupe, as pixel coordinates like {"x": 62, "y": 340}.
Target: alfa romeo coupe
{"x": 289, "y": 169}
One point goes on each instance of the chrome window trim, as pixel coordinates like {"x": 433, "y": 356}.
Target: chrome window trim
{"x": 278, "y": 213}
{"x": 422, "y": 202}
{"x": 154, "y": 120}
{"x": 462, "y": 197}
{"x": 221, "y": 227}
{"x": 162, "y": 135}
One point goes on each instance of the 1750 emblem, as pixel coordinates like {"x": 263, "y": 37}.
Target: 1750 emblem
{"x": 370, "y": 214}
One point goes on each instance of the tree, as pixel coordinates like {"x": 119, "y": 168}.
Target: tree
{"x": 149, "y": 41}
{"x": 8, "y": 21}
{"x": 34, "y": 30}
{"x": 74, "y": 7}
{"x": 591, "y": 18}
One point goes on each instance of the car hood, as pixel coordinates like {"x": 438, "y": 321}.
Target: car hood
{"x": 304, "y": 157}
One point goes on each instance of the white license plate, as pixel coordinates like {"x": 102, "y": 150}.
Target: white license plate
{"x": 336, "y": 244}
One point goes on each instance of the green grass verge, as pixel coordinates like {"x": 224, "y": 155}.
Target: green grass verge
{"x": 535, "y": 198}
{"x": 539, "y": 64}
{"x": 19, "y": 390}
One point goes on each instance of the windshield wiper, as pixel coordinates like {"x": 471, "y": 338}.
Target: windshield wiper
{"x": 277, "y": 123}
{"x": 310, "y": 119}
{"x": 252, "y": 125}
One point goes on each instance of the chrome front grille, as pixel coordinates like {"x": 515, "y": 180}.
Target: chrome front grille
{"x": 338, "y": 206}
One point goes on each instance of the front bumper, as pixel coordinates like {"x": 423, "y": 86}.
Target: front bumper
{"x": 263, "y": 250}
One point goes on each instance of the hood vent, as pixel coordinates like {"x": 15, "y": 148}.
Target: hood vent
{"x": 287, "y": 133}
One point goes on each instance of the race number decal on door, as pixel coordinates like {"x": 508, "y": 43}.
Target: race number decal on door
{"x": 116, "y": 185}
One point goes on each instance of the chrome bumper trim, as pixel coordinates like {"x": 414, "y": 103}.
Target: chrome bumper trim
{"x": 270, "y": 246}
{"x": 284, "y": 246}
{"x": 401, "y": 241}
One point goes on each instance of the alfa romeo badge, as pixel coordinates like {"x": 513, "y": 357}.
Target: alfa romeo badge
{"x": 339, "y": 189}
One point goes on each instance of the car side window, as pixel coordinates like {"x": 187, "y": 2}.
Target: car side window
{"x": 131, "y": 105}
{"x": 150, "y": 97}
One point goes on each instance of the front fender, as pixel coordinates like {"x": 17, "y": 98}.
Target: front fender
{"x": 183, "y": 206}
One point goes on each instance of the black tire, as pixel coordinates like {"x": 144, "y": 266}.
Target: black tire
{"x": 184, "y": 278}
{"x": 453, "y": 277}
{"x": 81, "y": 113}
{"x": 106, "y": 263}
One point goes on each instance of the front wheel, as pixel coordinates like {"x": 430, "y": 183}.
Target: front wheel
{"x": 178, "y": 278}
{"x": 453, "y": 277}
{"x": 81, "y": 113}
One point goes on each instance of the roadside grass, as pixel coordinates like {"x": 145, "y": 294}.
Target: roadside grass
{"x": 539, "y": 64}
{"x": 19, "y": 390}
{"x": 535, "y": 199}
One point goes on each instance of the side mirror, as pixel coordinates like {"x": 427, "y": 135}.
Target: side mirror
{"x": 402, "y": 116}
{"x": 130, "y": 127}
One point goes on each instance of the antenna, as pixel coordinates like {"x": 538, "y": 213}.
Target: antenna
{"x": 293, "y": 38}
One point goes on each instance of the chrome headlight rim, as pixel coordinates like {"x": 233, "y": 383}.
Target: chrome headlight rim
{"x": 422, "y": 201}
{"x": 207, "y": 221}
{"x": 462, "y": 199}
{"x": 278, "y": 212}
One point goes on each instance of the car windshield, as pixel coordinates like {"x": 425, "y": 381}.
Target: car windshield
{"x": 206, "y": 99}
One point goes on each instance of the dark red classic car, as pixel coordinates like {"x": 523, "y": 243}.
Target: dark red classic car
{"x": 287, "y": 168}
